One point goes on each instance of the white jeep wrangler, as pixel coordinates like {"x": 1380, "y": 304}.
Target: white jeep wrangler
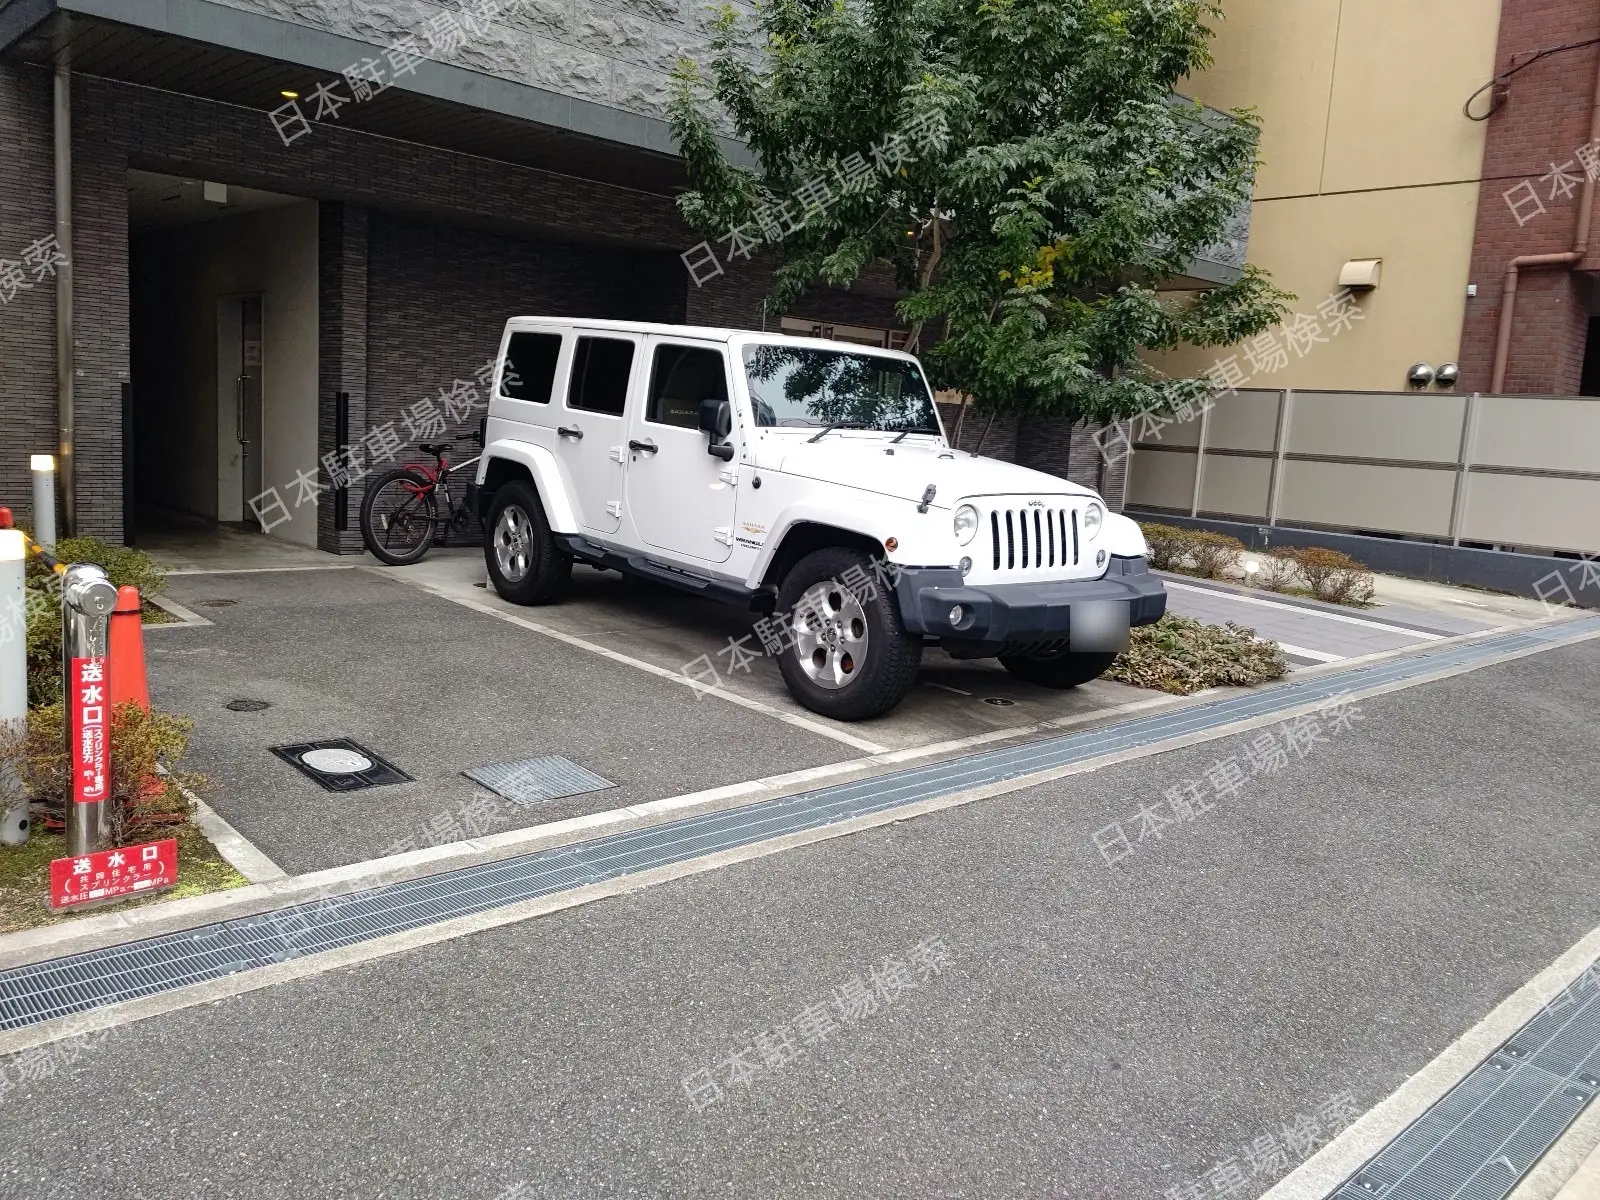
{"x": 802, "y": 478}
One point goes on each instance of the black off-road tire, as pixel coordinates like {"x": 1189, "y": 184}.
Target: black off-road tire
{"x": 1061, "y": 670}
{"x": 548, "y": 573}
{"x": 893, "y": 656}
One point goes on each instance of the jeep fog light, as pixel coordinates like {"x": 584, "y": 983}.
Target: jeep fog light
{"x": 966, "y": 524}
{"x": 956, "y": 614}
{"x": 1093, "y": 518}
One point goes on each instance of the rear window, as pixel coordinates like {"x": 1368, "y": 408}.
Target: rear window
{"x": 530, "y": 372}
{"x": 600, "y": 368}
{"x": 680, "y": 378}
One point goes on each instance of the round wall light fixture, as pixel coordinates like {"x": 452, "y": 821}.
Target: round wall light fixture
{"x": 1420, "y": 376}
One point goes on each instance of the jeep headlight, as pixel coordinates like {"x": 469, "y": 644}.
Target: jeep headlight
{"x": 966, "y": 524}
{"x": 1093, "y": 518}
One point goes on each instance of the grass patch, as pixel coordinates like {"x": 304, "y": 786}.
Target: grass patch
{"x": 25, "y": 879}
{"x": 1183, "y": 656}
{"x": 154, "y": 614}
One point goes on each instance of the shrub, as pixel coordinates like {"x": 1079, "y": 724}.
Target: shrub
{"x": 1334, "y": 576}
{"x": 139, "y": 741}
{"x": 1167, "y": 545}
{"x": 123, "y": 566}
{"x": 1278, "y": 571}
{"x": 1198, "y": 551}
{"x": 1214, "y": 555}
{"x": 1181, "y": 655}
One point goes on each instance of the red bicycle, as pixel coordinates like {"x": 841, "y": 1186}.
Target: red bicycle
{"x": 401, "y": 512}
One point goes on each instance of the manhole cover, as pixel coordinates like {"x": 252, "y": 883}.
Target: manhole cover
{"x": 336, "y": 760}
{"x": 529, "y": 781}
{"x": 220, "y": 603}
{"x": 340, "y": 765}
{"x": 998, "y": 701}
{"x": 246, "y": 705}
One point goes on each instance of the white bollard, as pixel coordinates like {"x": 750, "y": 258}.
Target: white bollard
{"x": 44, "y": 499}
{"x": 13, "y": 679}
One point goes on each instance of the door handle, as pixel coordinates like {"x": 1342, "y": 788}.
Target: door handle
{"x": 648, "y": 447}
{"x": 571, "y": 431}
{"x": 238, "y": 410}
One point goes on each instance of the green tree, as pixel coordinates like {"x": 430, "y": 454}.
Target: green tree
{"x": 1031, "y": 178}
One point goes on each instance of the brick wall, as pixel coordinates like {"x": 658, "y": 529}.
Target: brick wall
{"x": 1544, "y": 121}
{"x": 422, "y": 255}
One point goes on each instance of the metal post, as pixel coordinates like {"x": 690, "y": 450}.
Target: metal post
{"x": 13, "y": 680}
{"x": 65, "y": 366}
{"x": 44, "y": 499}
{"x": 1280, "y": 454}
{"x": 87, "y": 599}
{"x": 1469, "y": 437}
{"x": 1200, "y": 457}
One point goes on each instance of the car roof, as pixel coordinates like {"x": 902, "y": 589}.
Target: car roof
{"x": 707, "y": 332}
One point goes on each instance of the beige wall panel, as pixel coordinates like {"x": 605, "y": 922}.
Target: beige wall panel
{"x": 1247, "y": 421}
{"x": 1161, "y": 479}
{"x": 1404, "y": 67}
{"x": 1422, "y": 428}
{"x": 1277, "y": 56}
{"x": 1236, "y": 486}
{"x": 1542, "y": 433}
{"x": 1560, "y": 514}
{"x": 1392, "y": 499}
{"x": 1423, "y": 235}
{"x": 1176, "y": 433}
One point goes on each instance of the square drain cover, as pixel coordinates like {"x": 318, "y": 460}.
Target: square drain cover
{"x": 340, "y": 765}
{"x": 530, "y": 781}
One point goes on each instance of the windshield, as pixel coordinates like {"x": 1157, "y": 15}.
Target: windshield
{"x": 806, "y": 387}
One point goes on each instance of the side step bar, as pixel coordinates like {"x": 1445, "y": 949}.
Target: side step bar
{"x": 759, "y": 600}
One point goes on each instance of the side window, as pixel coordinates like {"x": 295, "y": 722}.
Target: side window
{"x": 530, "y": 372}
{"x": 600, "y": 368}
{"x": 680, "y": 378}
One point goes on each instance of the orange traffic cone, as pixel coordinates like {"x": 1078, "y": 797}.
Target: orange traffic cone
{"x": 127, "y": 652}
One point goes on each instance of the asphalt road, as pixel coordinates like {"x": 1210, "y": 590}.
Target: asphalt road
{"x": 1097, "y": 1030}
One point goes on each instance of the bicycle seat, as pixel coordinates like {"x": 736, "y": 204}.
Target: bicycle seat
{"x": 434, "y": 447}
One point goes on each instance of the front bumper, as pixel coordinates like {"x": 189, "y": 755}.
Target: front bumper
{"x": 1013, "y": 616}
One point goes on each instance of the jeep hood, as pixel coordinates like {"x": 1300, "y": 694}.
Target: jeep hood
{"x": 859, "y": 462}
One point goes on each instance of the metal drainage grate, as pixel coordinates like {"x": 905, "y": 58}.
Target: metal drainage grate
{"x": 530, "y": 781}
{"x": 79, "y": 982}
{"x": 1481, "y": 1139}
{"x": 247, "y": 705}
{"x": 340, "y": 765}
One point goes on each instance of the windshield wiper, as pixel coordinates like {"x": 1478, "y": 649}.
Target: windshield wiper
{"x": 904, "y": 432}
{"x": 827, "y": 429}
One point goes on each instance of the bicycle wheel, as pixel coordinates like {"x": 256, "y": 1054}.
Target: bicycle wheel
{"x": 398, "y": 517}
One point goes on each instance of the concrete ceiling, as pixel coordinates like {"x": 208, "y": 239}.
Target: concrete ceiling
{"x": 164, "y": 201}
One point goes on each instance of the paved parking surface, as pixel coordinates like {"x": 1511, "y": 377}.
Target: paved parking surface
{"x": 435, "y": 689}
{"x": 670, "y": 630}
{"x": 1098, "y": 1031}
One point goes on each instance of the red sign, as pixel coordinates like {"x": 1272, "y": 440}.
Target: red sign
{"x": 107, "y": 874}
{"x": 91, "y": 732}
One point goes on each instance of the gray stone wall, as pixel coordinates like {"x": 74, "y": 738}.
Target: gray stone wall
{"x": 619, "y": 54}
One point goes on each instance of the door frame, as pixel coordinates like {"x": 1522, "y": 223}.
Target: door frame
{"x": 230, "y": 503}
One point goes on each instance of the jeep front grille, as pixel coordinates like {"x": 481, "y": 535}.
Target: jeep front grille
{"x": 1033, "y": 538}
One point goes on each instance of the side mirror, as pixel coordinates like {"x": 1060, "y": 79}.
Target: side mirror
{"x": 716, "y": 419}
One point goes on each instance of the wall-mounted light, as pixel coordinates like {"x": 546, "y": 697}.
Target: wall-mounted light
{"x": 1449, "y": 375}
{"x": 1420, "y": 376}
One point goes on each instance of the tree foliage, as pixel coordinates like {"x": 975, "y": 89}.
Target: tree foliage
{"x": 1028, "y": 239}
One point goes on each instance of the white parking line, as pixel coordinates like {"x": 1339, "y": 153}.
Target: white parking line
{"x": 1308, "y": 612}
{"x": 1313, "y": 655}
{"x": 817, "y": 727}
